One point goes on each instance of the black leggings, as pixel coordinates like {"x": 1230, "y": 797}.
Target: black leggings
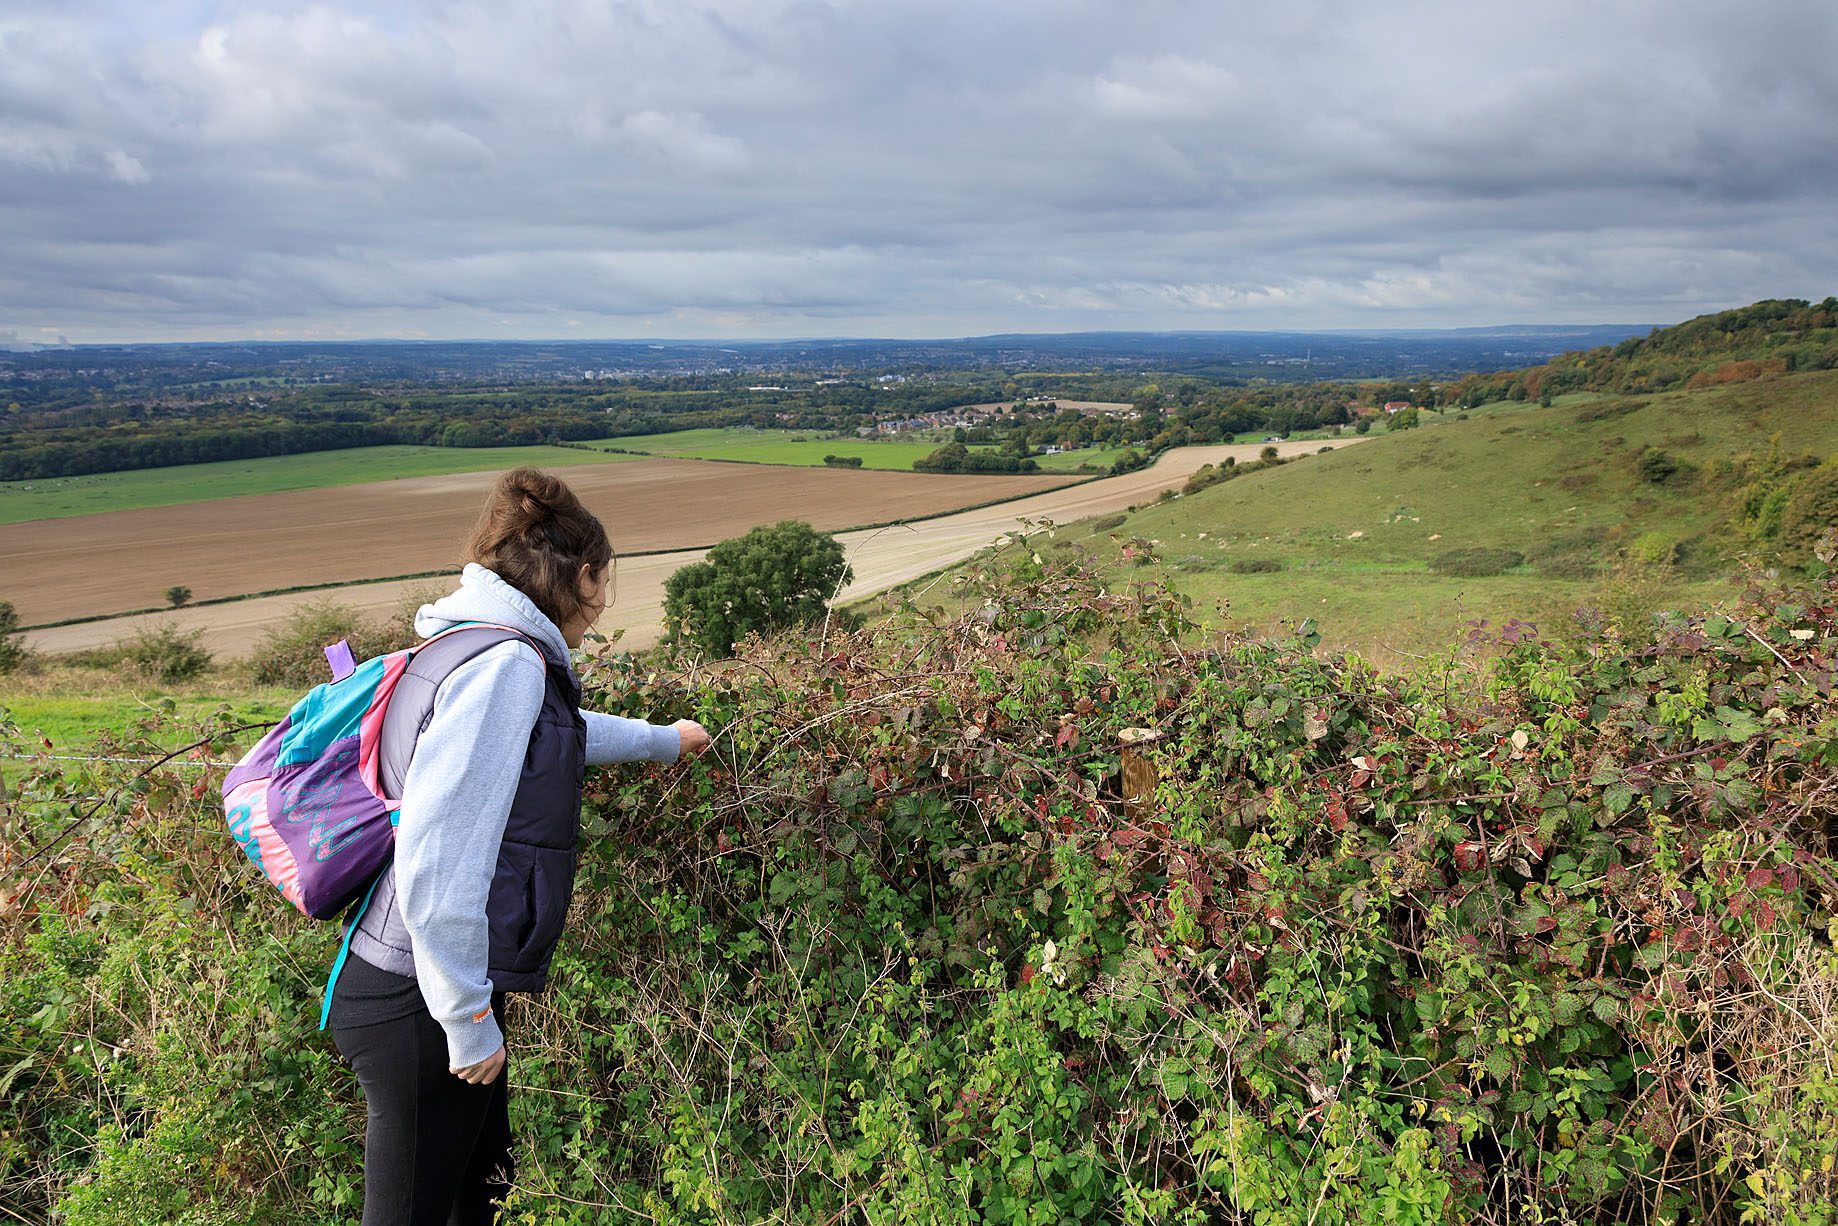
{"x": 437, "y": 1151}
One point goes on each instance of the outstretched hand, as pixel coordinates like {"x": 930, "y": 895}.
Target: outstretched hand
{"x": 692, "y": 738}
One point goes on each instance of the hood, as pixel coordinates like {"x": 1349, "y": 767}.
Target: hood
{"x": 484, "y": 597}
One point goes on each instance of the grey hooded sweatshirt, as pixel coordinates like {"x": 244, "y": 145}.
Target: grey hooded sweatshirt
{"x": 457, "y": 795}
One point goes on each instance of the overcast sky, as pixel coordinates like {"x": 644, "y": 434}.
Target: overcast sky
{"x": 751, "y": 168}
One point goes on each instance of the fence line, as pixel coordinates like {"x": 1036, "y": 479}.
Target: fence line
{"x": 59, "y": 757}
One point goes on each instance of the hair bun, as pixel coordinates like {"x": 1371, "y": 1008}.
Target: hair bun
{"x": 533, "y": 493}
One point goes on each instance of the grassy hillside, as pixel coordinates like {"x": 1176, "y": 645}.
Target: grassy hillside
{"x": 1353, "y": 538}
{"x": 56, "y": 497}
{"x": 803, "y": 447}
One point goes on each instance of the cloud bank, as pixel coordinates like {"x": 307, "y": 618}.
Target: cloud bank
{"x": 624, "y": 168}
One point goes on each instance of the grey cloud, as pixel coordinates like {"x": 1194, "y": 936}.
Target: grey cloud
{"x": 752, "y": 168}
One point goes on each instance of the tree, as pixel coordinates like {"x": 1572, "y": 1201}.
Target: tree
{"x": 11, "y": 653}
{"x": 178, "y": 595}
{"x": 768, "y": 580}
{"x": 1404, "y": 419}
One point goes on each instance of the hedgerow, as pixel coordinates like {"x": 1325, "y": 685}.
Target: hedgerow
{"x": 1039, "y": 914}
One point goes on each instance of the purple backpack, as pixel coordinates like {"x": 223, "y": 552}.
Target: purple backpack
{"x": 310, "y": 803}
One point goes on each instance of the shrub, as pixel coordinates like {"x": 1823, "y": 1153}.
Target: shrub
{"x": 164, "y": 653}
{"x": 1363, "y": 426}
{"x": 931, "y": 940}
{"x": 1809, "y": 512}
{"x": 1656, "y": 467}
{"x": 293, "y": 653}
{"x": 766, "y": 581}
{"x": 1654, "y": 549}
{"x": 1106, "y": 523}
{"x": 12, "y": 651}
{"x": 1256, "y": 566}
{"x": 844, "y": 461}
{"x": 1268, "y": 453}
{"x": 178, "y": 596}
{"x": 1475, "y": 563}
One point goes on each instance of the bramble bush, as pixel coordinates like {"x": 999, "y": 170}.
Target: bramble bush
{"x": 1542, "y": 933}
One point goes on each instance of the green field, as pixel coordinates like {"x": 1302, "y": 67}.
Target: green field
{"x": 55, "y": 497}
{"x": 1354, "y": 531}
{"x": 72, "y": 707}
{"x": 807, "y": 448}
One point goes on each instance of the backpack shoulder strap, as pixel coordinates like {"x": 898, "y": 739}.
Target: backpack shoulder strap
{"x": 412, "y": 703}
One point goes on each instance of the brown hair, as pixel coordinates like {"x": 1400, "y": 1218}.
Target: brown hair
{"x": 536, "y": 535}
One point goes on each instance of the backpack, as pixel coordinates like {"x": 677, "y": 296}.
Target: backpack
{"x": 311, "y": 803}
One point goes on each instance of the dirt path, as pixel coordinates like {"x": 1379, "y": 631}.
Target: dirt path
{"x": 882, "y": 558}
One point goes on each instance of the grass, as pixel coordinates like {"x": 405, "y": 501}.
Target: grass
{"x": 1354, "y": 531}
{"x": 71, "y": 707}
{"x": 806, "y": 448}
{"x": 56, "y": 497}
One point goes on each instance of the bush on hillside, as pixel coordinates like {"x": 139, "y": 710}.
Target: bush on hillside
{"x": 1477, "y": 562}
{"x": 924, "y": 941}
{"x": 293, "y": 653}
{"x": 1654, "y": 549}
{"x": 178, "y": 595}
{"x": 769, "y": 580}
{"x": 1656, "y": 467}
{"x": 1256, "y": 566}
{"x": 1106, "y": 523}
{"x": 843, "y": 461}
{"x": 1809, "y": 512}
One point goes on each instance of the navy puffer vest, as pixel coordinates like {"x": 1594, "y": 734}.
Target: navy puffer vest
{"x": 534, "y": 880}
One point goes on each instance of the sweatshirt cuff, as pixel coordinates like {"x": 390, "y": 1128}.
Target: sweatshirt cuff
{"x": 469, "y": 1042}
{"x": 666, "y": 743}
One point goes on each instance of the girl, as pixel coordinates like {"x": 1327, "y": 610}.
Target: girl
{"x": 474, "y": 901}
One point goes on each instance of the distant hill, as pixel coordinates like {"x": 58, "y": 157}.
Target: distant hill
{"x": 1775, "y": 337}
{"x": 1229, "y": 355}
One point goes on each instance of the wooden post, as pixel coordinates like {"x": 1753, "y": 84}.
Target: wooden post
{"x": 1138, "y": 771}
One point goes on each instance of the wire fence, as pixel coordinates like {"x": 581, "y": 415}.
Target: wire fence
{"x": 64, "y": 757}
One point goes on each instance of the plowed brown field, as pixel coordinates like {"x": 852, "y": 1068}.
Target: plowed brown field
{"x": 882, "y": 557}
{"x": 92, "y": 564}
